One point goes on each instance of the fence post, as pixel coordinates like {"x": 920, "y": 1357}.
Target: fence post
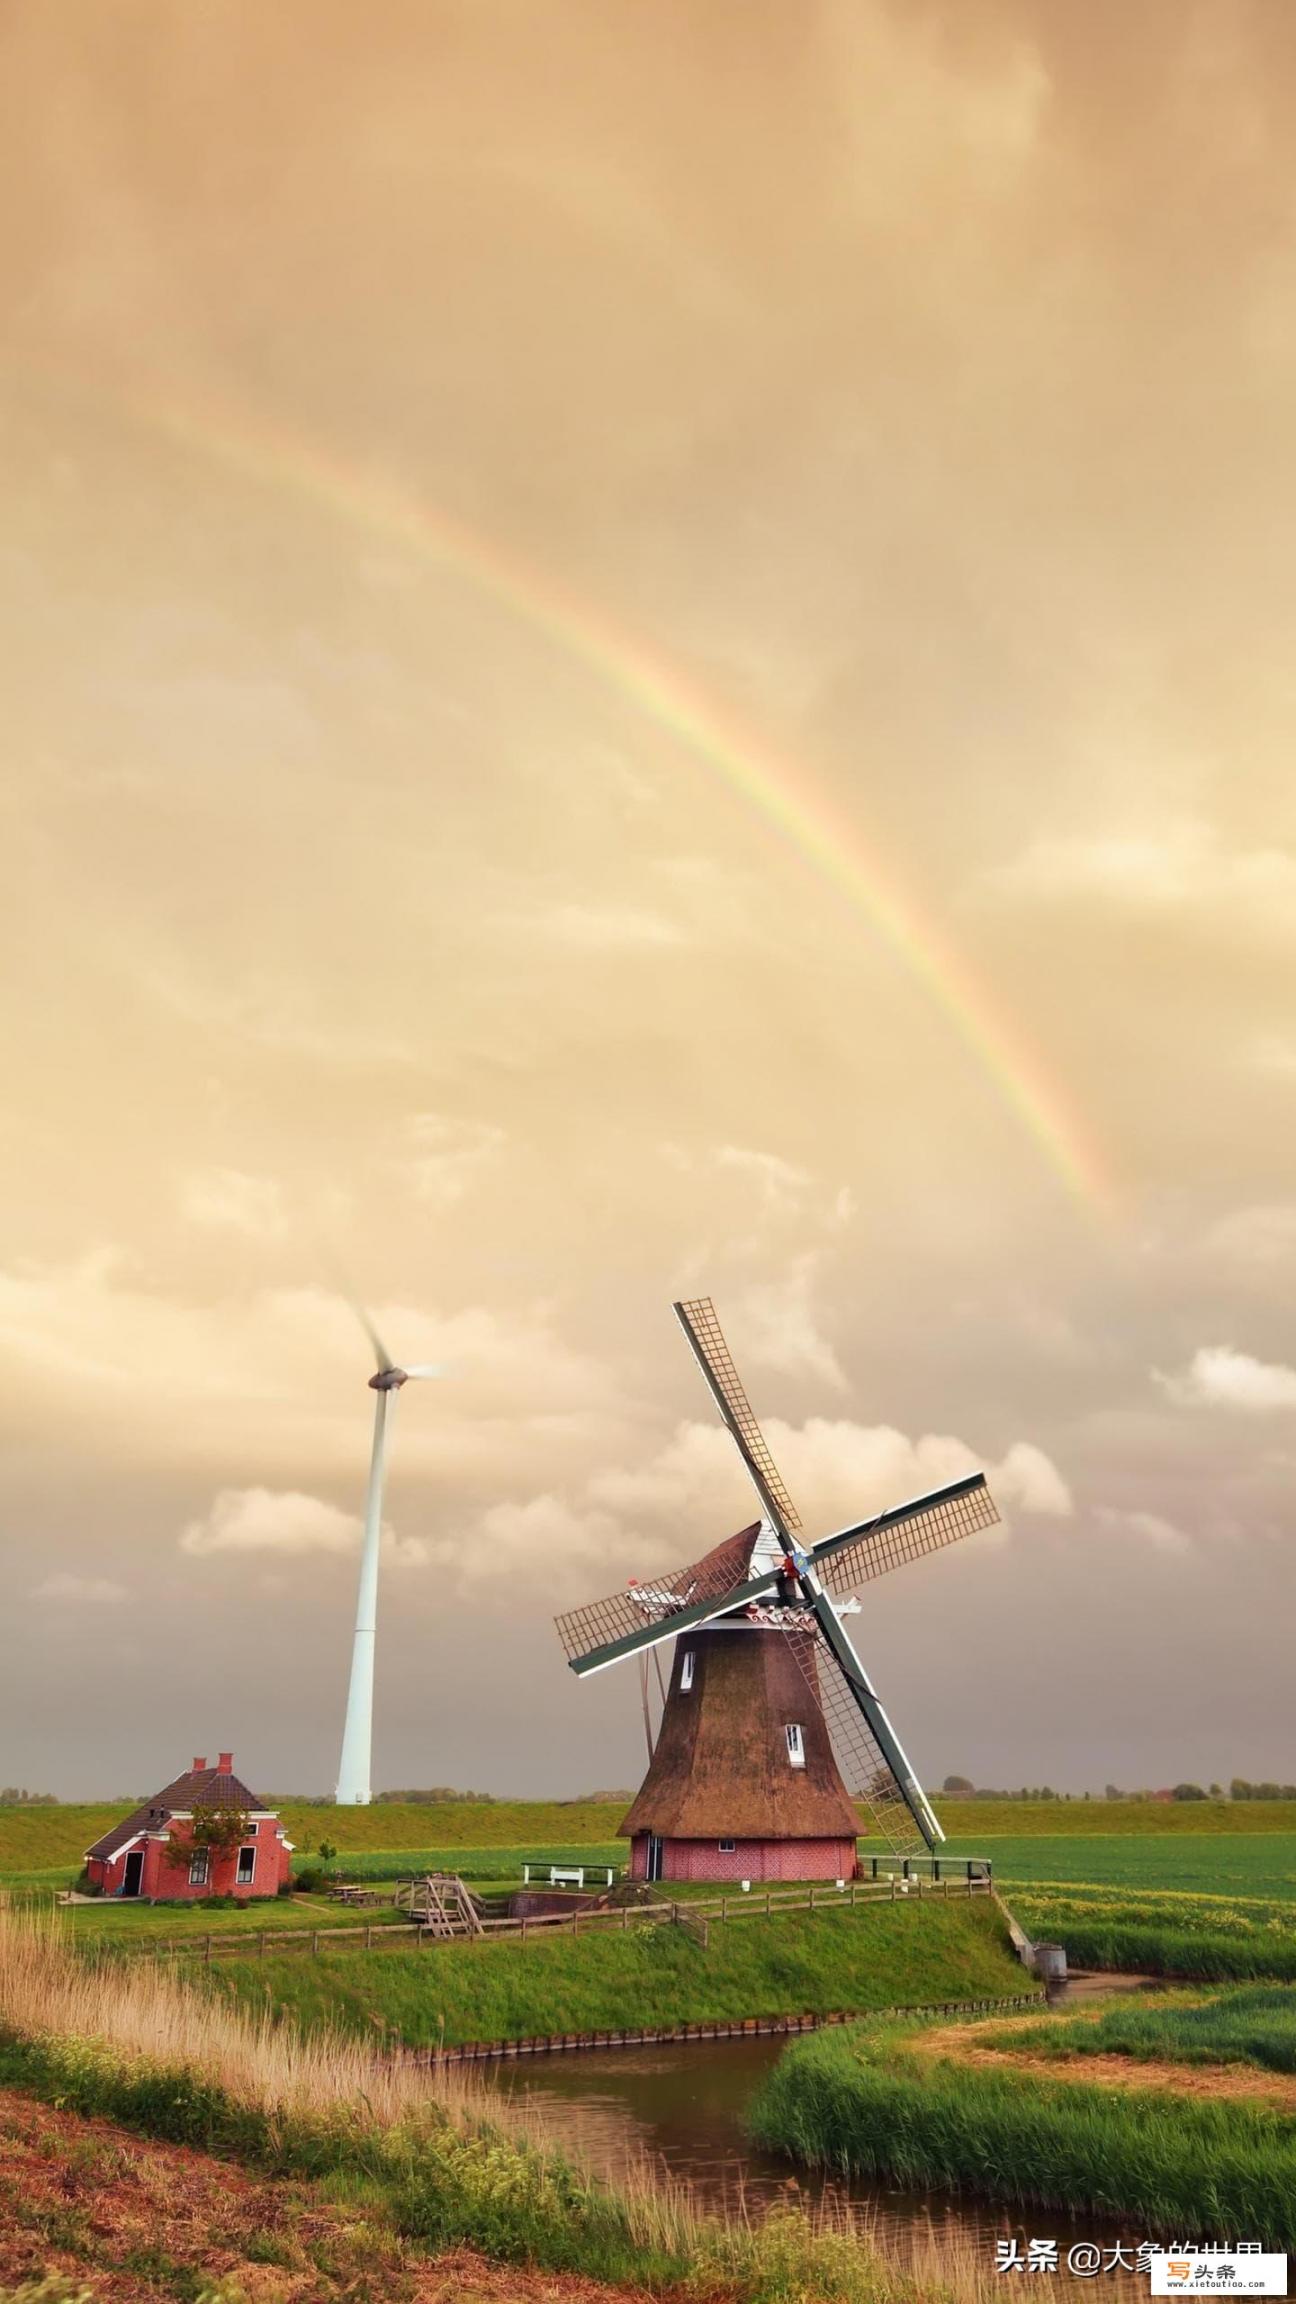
{"x": 261, "y": 1945}
{"x": 207, "y": 1951}
{"x": 724, "y": 1907}
{"x": 315, "y": 1943}
{"x": 812, "y": 1899}
{"x": 368, "y": 1935}
{"x": 852, "y": 1895}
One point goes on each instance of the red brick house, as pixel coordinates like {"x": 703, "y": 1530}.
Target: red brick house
{"x": 742, "y": 1784}
{"x": 131, "y": 1860}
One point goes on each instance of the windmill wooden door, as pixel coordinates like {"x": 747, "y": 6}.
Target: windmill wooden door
{"x": 656, "y": 1851}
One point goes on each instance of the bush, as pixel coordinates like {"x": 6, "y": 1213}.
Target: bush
{"x": 313, "y": 1880}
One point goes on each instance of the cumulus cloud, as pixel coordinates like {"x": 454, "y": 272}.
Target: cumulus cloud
{"x": 448, "y": 1155}
{"x": 1178, "y": 868}
{"x": 1265, "y": 1234}
{"x": 1145, "y": 1527}
{"x": 80, "y": 1591}
{"x": 1219, "y": 1377}
{"x": 779, "y": 1327}
{"x": 228, "y": 1199}
{"x": 610, "y": 928}
{"x": 782, "y": 1186}
{"x": 281, "y": 1520}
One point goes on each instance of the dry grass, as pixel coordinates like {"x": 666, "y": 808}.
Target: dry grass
{"x": 434, "y": 2155}
{"x": 144, "y": 2010}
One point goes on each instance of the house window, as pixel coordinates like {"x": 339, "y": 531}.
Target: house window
{"x": 246, "y": 1865}
{"x": 726, "y": 1847}
{"x": 686, "y": 1670}
{"x": 251, "y": 1831}
{"x": 198, "y": 1868}
{"x": 795, "y": 1744}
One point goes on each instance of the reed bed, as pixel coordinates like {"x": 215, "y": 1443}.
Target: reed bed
{"x": 138, "y": 2045}
{"x": 867, "y": 2103}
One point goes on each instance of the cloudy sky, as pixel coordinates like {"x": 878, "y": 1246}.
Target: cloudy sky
{"x": 646, "y": 651}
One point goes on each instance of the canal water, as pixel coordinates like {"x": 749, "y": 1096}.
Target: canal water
{"x": 679, "y": 2107}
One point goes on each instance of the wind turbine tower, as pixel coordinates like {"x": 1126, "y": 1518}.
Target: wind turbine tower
{"x": 354, "y": 1788}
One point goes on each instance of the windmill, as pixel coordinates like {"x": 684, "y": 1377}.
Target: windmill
{"x": 353, "y": 1786}
{"x": 771, "y": 1727}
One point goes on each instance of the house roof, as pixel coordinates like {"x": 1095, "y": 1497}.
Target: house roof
{"x": 205, "y": 1787}
{"x": 720, "y": 1767}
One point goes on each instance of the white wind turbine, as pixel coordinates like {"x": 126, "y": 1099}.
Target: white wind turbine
{"x": 353, "y": 1785}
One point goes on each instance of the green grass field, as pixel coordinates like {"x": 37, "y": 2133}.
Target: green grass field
{"x": 1256, "y": 2027}
{"x": 1205, "y": 1863}
{"x": 53, "y": 1840}
{"x": 652, "y": 1975}
{"x": 867, "y": 2101}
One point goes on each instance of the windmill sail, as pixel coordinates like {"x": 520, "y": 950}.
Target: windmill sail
{"x": 857, "y": 1555}
{"x": 706, "y": 1341}
{"x": 873, "y": 1764}
{"x": 643, "y": 1613}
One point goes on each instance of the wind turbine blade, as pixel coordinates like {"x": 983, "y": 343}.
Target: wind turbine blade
{"x": 428, "y": 1368}
{"x": 384, "y": 1357}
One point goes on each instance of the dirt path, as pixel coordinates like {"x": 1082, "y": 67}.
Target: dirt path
{"x": 965, "y": 2044}
{"x": 143, "y": 2223}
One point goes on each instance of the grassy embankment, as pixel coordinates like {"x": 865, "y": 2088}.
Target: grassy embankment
{"x": 869, "y": 2100}
{"x": 413, "y": 2153}
{"x": 1192, "y": 1889}
{"x": 650, "y": 1976}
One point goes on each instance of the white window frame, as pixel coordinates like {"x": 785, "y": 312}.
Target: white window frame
{"x": 244, "y": 1879}
{"x": 686, "y": 1672}
{"x": 727, "y": 1847}
{"x": 198, "y": 1868}
{"x": 795, "y": 1736}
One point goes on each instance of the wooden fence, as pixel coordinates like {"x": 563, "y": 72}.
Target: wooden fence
{"x": 693, "y": 1914}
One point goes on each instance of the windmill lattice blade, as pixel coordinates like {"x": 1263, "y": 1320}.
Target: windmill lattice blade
{"x": 865, "y": 1769}
{"x": 855, "y": 1557}
{"x": 647, "y": 1611}
{"x": 706, "y": 1339}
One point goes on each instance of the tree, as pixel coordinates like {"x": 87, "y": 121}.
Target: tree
{"x": 1215, "y": 1792}
{"x": 957, "y": 1784}
{"x": 1187, "y": 1792}
{"x": 218, "y": 1829}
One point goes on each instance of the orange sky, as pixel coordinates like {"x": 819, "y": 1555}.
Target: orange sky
{"x": 910, "y": 388}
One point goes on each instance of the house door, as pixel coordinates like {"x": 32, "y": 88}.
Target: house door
{"x": 656, "y": 1850}
{"x": 132, "y": 1874}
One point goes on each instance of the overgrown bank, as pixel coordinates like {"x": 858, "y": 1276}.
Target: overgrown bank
{"x": 867, "y": 2101}
{"x": 133, "y": 2044}
{"x": 797, "y": 1963}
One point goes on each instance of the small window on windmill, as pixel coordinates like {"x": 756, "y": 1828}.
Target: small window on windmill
{"x": 795, "y": 1744}
{"x": 686, "y": 1672}
{"x": 726, "y": 1847}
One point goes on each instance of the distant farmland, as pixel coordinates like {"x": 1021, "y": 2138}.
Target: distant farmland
{"x": 1210, "y": 1846}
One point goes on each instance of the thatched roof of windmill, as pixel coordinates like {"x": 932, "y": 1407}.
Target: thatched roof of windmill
{"x": 720, "y": 1768}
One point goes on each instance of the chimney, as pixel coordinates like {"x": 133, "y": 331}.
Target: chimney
{"x": 226, "y": 1763}
{"x": 199, "y": 1762}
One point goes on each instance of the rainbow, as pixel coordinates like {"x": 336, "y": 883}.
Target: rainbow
{"x": 820, "y": 834}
